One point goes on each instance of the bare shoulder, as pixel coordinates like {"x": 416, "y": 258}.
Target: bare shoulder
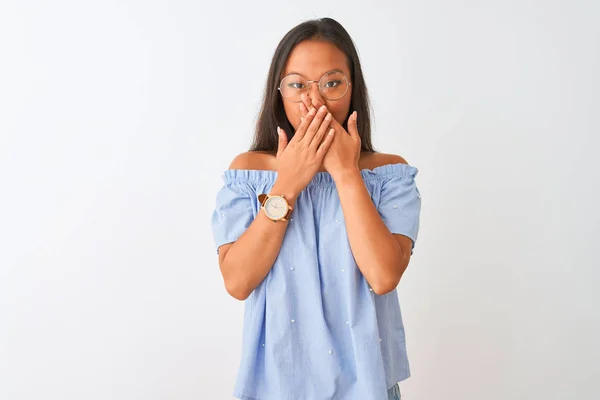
{"x": 374, "y": 160}
{"x": 253, "y": 160}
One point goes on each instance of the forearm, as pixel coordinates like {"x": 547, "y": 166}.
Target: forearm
{"x": 377, "y": 253}
{"x": 250, "y": 258}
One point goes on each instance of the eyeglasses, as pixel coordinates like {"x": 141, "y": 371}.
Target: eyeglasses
{"x": 333, "y": 85}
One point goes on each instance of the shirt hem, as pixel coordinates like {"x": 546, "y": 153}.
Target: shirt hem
{"x": 241, "y": 396}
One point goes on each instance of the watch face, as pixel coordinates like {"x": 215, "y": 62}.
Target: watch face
{"x": 276, "y": 207}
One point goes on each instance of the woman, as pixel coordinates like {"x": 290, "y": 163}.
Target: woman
{"x": 314, "y": 229}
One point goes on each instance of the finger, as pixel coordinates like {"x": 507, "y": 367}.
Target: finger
{"x": 334, "y": 123}
{"x": 314, "y": 125}
{"x": 317, "y": 103}
{"x": 323, "y": 129}
{"x": 307, "y": 103}
{"x": 304, "y": 124}
{"x": 326, "y": 144}
{"x": 282, "y": 143}
{"x": 353, "y": 126}
{"x": 303, "y": 109}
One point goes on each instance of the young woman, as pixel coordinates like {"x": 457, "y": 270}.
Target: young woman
{"x": 314, "y": 229}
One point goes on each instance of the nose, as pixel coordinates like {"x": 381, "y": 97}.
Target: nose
{"x": 314, "y": 93}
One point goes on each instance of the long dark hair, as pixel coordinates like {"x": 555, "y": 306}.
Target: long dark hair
{"x": 272, "y": 113}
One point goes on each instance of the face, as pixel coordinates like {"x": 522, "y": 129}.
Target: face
{"x": 311, "y": 59}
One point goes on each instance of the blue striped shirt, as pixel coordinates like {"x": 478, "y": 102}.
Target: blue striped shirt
{"x": 313, "y": 328}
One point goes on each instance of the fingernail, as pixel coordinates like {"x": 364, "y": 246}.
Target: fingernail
{"x": 279, "y": 131}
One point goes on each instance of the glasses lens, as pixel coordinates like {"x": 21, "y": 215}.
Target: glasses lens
{"x": 333, "y": 85}
{"x": 292, "y": 87}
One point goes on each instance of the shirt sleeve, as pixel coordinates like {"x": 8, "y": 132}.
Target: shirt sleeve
{"x": 233, "y": 213}
{"x": 400, "y": 206}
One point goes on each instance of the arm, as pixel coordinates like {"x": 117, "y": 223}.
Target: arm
{"x": 247, "y": 261}
{"x": 381, "y": 256}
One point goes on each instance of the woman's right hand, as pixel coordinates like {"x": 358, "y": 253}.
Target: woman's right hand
{"x": 299, "y": 160}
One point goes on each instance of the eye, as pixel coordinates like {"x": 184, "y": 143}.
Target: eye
{"x": 332, "y": 84}
{"x": 296, "y": 85}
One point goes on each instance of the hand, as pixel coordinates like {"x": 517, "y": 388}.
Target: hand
{"x": 344, "y": 153}
{"x": 299, "y": 160}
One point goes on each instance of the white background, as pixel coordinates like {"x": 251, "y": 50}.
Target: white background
{"x": 117, "y": 119}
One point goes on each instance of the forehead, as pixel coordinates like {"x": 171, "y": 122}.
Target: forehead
{"x": 312, "y": 58}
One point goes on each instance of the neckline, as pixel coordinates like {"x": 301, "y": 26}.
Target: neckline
{"x": 322, "y": 177}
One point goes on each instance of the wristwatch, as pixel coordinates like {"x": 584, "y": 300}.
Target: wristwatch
{"x": 276, "y": 207}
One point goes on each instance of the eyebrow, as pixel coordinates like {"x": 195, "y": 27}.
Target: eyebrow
{"x": 331, "y": 70}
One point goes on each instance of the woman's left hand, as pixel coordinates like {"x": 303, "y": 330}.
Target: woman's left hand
{"x": 344, "y": 152}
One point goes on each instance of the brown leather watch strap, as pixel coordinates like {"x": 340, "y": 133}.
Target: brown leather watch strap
{"x": 262, "y": 198}
{"x": 287, "y": 216}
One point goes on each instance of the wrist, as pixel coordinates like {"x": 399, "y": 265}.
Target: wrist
{"x": 282, "y": 190}
{"x": 347, "y": 175}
